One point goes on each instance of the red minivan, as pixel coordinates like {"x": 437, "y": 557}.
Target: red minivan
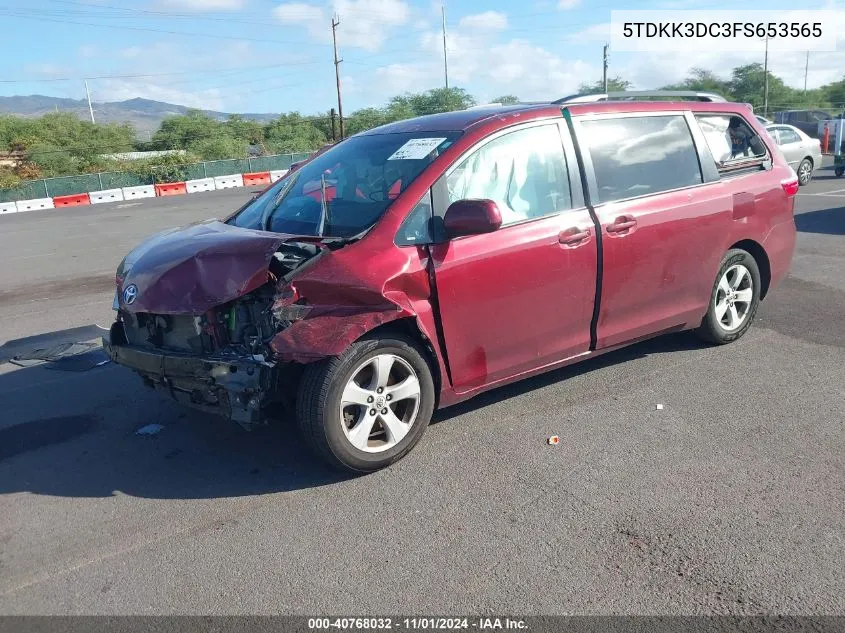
{"x": 420, "y": 263}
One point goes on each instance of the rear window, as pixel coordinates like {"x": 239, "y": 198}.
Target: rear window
{"x": 637, "y": 156}
{"x": 733, "y": 143}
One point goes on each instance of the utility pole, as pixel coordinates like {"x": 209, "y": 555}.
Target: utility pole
{"x": 766, "y": 81}
{"x": 335, "y": 23}
{"x": 604, "y": 66}
{"x": 806, "y": 68}
{"x": 88, "y": 94}
{"x": 445, "y": 60}
{"x": 334, "y": 130}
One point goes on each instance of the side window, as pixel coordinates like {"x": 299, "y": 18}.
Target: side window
{"x": 636, "y": 156}
{"x": 788, "y": 136}
{"x": 731, "y": 140}
{"x": 524, "y": 172}
{"x": 417, "y": 229}
{"x": 799, "y": 117}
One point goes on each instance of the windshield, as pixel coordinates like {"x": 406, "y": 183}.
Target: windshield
{"x": 348, "y": 188}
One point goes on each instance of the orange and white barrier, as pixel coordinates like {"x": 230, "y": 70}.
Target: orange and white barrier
{"x": 200, "y": 184}
{"x": 252, "y": 179}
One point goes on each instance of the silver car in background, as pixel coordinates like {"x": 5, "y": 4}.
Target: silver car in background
{"x": 803, "y": 152}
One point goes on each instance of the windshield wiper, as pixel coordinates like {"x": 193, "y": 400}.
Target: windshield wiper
{"x": 325, "y": 217}
{"x": 271, "y": 208}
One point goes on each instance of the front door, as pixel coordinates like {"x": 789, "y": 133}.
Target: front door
{"x": 521, "y": 297}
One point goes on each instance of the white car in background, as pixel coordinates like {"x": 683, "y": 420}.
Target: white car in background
{"x": 763, "y": 120}
{"x": 802, "y": 152}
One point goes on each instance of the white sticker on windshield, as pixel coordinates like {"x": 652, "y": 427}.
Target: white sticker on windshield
{"x": 416, "y": 149}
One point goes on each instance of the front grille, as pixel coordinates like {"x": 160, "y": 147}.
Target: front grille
{"x": 180, "y": 332}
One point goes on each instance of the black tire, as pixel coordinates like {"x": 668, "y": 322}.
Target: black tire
{"x": 318, "y": 403}
{"x": 711, "y": 328}
{"x": 805, "y": 167}
{"x": 839, "y": 171}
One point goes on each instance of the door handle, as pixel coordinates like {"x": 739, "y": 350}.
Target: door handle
{"x": 621, "y": 224}
{"x": 573, "y": 236}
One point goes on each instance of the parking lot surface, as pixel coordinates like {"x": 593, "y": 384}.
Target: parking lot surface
{"x": 728, "y": 499}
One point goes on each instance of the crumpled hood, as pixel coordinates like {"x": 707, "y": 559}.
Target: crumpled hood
{"x": 193, "y": 269}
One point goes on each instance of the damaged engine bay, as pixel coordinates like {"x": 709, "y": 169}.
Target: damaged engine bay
{"x": 235, "y": 335}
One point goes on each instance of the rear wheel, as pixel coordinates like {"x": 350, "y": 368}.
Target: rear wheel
{"x": 734, "y": 299}
{"x": 368, "y": 408}
{"x": 805, "y": 171}
{"x": 839, "y": 171}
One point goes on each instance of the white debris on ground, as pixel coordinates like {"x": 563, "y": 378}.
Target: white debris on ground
{"x": 553, "y": 440}
{"x": 660, "y": 407}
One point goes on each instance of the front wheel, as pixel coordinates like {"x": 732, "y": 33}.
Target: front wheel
{"x": 367, "y": 409}
{"x": 839, "y": 171}
{"x": 734, "y": 299}
{"x": 805, "y": 171}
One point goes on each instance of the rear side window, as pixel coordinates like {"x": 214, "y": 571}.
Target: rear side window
{"x": 786, "y": 136}
{"x": 732, "y": 141}
{"x": 637, "y": 156}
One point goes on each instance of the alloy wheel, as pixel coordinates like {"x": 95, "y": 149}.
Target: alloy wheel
{"x": 380, "y": 403}
{"x": 734, "y": 295}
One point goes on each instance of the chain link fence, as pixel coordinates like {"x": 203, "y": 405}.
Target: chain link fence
{"x": 69, "y": 185}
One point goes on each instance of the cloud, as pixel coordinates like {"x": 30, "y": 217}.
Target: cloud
{"x": 596, "y": 33}
{"x": 484, "y": 66}
{"x": 364, "y": 24}
{"x": 566, "y": 5}
{"x": 130, "y": 52}
{"x": 487, "y": 21}
{"x": 203, "y": 5}
{"x": 86, "y": 50}
{"x": 122, "y": 89}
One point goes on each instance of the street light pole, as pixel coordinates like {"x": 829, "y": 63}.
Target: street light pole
{"x": 604, "y": 66}
{"x": 766, "y": 81}
{"x": 445, "y": 57}
{"x": 335, "y": 23}
{"x": 88, "y": 95}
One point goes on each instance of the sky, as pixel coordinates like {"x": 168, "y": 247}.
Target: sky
{"x": 272, "y": 56}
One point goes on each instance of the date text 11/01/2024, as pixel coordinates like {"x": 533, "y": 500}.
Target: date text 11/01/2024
{"x": 416, "y": 624}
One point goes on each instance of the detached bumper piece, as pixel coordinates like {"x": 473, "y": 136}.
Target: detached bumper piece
{"x": 236, "y": 388}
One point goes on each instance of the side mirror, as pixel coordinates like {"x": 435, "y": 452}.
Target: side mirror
{"x": 471, "y": 217}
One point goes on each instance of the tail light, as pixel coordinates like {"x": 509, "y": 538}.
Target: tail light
{"x": 790, "y": 186}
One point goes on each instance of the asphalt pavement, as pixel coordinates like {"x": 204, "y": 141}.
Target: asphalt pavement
{"x": 729, "y": 499}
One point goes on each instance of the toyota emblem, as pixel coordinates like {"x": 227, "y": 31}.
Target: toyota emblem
{"x": 130, "y": 293}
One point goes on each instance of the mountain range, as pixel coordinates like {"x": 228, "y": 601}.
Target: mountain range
{"x": 145, "y": 115}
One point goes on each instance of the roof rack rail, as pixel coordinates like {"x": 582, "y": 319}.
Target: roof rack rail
{"x": 642, "y": 94}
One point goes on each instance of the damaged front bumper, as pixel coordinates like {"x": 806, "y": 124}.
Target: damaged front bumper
{"x": 237, "y": 388}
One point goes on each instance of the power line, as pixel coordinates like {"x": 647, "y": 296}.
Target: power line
{"x": 168, "y": 32}
{"x": 144, "y": 75}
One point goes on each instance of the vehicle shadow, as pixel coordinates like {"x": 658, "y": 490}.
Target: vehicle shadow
{"x": 828, "y": 221}
{"x": 100, "y": 432}
{"x": 668, "y": 343}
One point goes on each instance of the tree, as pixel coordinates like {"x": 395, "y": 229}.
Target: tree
{"x": 703, "y": 80}
{"x": 614, "y": 84}
{"x": 506, "y": 100}
{"x": 180, "y": 132}
{"x": 293, "y": 133}
{"x": 366, "y": 119}
{"x": 834, "y": 93}
{"x": 433, "y": 101}
{"x": 748, "y": 86}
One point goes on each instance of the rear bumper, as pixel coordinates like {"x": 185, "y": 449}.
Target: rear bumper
{"x": 237, "y": 388}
